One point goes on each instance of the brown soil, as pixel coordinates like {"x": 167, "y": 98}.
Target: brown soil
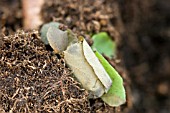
{"x": 33, "y": 79}
{"x": 10, "y": 16}
{"x": 141, "y": 30}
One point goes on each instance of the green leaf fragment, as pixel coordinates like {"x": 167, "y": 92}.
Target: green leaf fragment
{"x": 116, "y": 95}
{"x": 44, "y": 30}
{"x": 104, "y": 44}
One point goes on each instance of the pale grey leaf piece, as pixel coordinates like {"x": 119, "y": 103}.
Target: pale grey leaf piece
{"x": 44, "y": 30}
{"x": 82, "y": 70}
{"x": 97, "y": 66}
{"x": 57, "y": 39}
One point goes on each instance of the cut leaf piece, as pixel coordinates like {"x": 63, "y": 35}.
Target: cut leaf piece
{"x": 82, "y": 70}
{"x": 96, "y": 65}
{"x": 57, "y": 39}
{"x": 116, "y": 94}
{"x": 44, "y": 30}
{"x": 81, "y": 59}
{"x": 104, "y": 44}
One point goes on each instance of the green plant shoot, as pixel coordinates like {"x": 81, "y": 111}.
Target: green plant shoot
{"x": 116, "y": 94}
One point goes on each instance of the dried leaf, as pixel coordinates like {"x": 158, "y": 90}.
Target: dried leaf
{"x": 76, "y": 60}
{"x": 81, "y": 59}
{"x": 96, "y": 65}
